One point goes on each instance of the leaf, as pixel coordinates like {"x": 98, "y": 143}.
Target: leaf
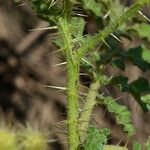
{"x": 146, "y": 54}
{"x": 48, "y": 9}
{"x": 96, "y": 138}
{"x": 122, "y": 82}
{"x": 143, "y": 30}
{"x": 146, "y": 99}
{"x": 119, "y": 63}
{"x": 17, "y": 1}
{"x": 121, "y": 113}
{"x": 138, "y": 56}
{"x": 58, "y": 42}
{"x": 117, "y": 8}
{"x": 139, "y": 86}
{"x": 136, "y": 145}
{"x": 93, "y": 6}
{"x": 136, "y": 88}
{"x": 77, "y": 27}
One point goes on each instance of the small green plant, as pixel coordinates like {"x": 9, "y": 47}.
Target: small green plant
{"x": 34, "y": 140}
{"x": 93, "y": 53}
{"x": 7, "y": 140}
{"x": 27, "y": 139}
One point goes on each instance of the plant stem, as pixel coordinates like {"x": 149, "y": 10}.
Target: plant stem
{"x": 93, "y": 41}
{"x": 72, "y": 105}
{"x": 87, "y": 109}
{"x": 72, "y": 85}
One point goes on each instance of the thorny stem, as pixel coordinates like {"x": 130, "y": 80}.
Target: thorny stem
{"x": 73, "y": 62}
{"x": 72, "y": 86}
{"x": 100, "y": 37}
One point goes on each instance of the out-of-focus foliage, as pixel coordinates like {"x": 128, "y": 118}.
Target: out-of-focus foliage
{"x": 143, "y": 30}
{"x": 136, "y": 145}
{"x": 148, "y": 143}
{"x": 27, "y": 139}
{"x": 34, "y": 140}
{"x": 8, "y": 140}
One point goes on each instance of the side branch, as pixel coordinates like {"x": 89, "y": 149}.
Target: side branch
{"x": 91, "y": 42}
{"x": 87, "y": 109}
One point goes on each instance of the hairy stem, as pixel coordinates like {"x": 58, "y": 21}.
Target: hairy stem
{"x": 72, "y": 85}
{"x": 87, "y": 109}
{"x": 93, "y": 41}
{"x": 72, "y": 105}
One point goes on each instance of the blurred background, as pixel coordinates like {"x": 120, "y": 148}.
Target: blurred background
{"x": 27, "y": 63}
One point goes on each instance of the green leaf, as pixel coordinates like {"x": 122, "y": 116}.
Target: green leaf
{"x": 17, "y": 1}
{"x": 58, "y": 42}
{"x": 138, "y": 56}
{"x": 122, "y": 114}
{"x": 143, "y": 30}
{"x": 119, "y": 63}
{"x": 139, "y": 86}
{"x": 136, "y": 145}
{"x": 77, "y": 27}
{"x": 146, "y": 54}
{"x": 96, "y": 138}
{"x": 146, "y": 100}
{"x": 122, "y": 82}
{"x": 93, "y": 6}
{"x": 136, "y": 88}
{"x": 48, "y": 10}
{"x": 116, "y": 8}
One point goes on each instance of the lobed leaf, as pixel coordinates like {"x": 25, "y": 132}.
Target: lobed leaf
{"x": 121, "y": 113}
{"x": 143, "y": 30}
{"x": 96, "y": 138}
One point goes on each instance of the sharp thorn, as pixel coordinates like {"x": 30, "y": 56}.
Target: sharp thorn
{"x": 107, "y": 14}
{"x": 59, "y": 50}
{"x": 55, "y": 87}
{"x": 83, "y": 94}
{"x": 116, "y": 38}
{"x": 144, "y": 16}
{"x": 60, "y": 64}
{"x": 87, "y": 62}
{"x": 81, "y": 15}
{"x": 46, "y": 28}
{"x": 22, "y": 4}
{"x": 83, "y": 74}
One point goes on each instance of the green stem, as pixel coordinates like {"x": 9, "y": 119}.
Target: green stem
{"x": 93, "y": 41}
{"x": 72, "y": 105}
{"x": 87, "y": 109}
{"x": 72, "y": 85}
